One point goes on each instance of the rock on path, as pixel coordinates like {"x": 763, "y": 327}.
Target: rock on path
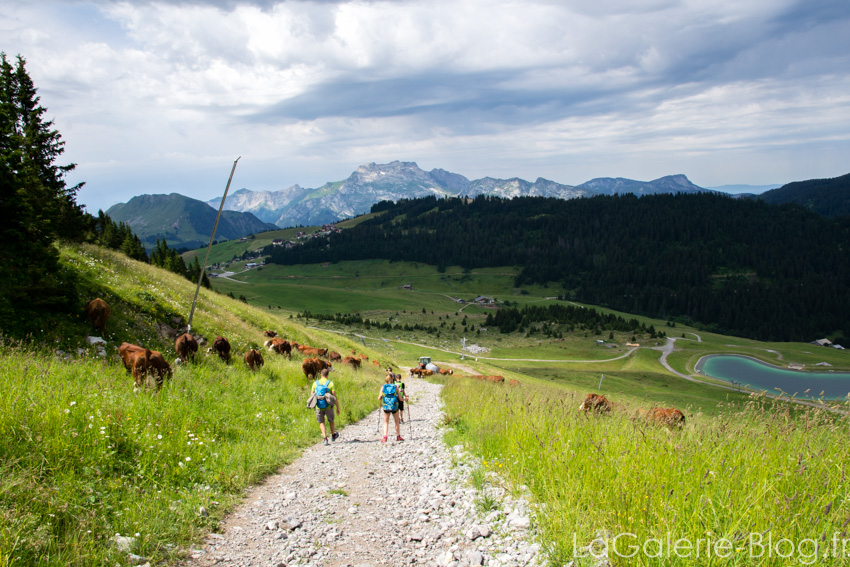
{"x": 362, "y": 503}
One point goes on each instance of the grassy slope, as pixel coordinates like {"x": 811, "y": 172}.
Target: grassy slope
{"x": 84, "y": 458}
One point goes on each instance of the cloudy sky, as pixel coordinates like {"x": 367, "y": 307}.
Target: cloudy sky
{"x": 163, "y": 96}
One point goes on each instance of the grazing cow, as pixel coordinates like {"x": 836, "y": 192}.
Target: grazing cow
{"x": 354, "y": 362}
{"x": 668, "y": 417}
{"x": 312, "y": 367}
{"x": 222, "y": 348}
{"x": 415, "y": 372}
{"x": 98, "y": 311}
{"x": 270, "y": 334}
{"x": 334, "y": 355}
{"x": 446, "y": 371}
{"x": 280, "y": 346}
{"x": 426, "y": 372}
{"x": 136, "y": 360}
{"x": 497, "y": 379}
{"x": 376, "y": 363}
{"x": 513, "y": 382}
{"x": 254, "y": 359}
{"x": 595, "y": 403}
{"x": 158, "y": 368}
{"x": 186, "y": 347}
{"x": 363, "y": 357}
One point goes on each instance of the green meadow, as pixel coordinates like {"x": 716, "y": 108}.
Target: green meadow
{"x": 84, "y": 457}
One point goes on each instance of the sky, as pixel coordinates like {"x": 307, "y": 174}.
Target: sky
{"x": 164, "y": 96}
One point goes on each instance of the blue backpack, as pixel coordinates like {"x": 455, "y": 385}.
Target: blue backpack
{"x": 390, "y": 392}
{"x": 322, "y": 390}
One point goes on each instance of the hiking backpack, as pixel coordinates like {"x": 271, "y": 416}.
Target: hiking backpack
{"x": 322, "y": 391}
{"x": 390, "y": 392}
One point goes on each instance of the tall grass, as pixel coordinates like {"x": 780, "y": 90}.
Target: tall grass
{"x": 751, "y": 476}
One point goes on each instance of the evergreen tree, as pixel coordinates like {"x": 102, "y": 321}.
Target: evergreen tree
{"x": 36, "y": 205}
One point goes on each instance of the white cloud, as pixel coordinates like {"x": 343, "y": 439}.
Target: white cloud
{"x": 150, "y": 96}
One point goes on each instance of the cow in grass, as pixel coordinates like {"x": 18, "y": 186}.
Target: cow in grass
{"x": 98, "y": 312}
{"x": 158, "y": 368}
{"x": 280, "y": 346}
{"x": 312, "y": 367}
{"x": 671, "y": 418}
{"x": 136, "y": 360}
{"x": 186, "y": 347}
{"x": 595, "y": 403}
{"x": 221, "y": 347}
{"x": 254, "y": 359}
{"x": 333, "y": 355}
{"x": 353, "y": 362}
{"x": 270, "y": 334}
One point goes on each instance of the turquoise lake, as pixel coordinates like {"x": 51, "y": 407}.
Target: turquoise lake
{"x": 758, "y": 375}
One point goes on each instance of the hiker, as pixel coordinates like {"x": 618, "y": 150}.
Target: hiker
{"x": 402, "y": 396}
{"x": 324, "y": 407}
{"x": 389, "y": 401}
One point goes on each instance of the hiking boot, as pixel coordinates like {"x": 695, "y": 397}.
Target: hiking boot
{"x": 399, "y": 438}
{"x": 384, "y": 440}
{"x": 335, "y": 436}
{"x": 325, "y": 442}
{"x": 402, "y": 420}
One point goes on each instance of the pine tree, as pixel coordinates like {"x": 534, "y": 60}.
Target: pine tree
{"x": 36, "y": 205}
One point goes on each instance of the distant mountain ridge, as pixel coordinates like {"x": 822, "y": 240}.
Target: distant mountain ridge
{"x": 182, "y": 221}
{"x": 372, "y": 183}
{"x": 827, "y": 197}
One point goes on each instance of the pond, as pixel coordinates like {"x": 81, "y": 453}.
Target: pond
{"x": 759, "y": 375}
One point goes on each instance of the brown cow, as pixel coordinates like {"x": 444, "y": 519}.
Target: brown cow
{"x": 354, "y": 362}
{"x": 334, "y": 355}
{"x": 497, "y": 379}
{"x": 186, "y": 347}
{"x": 595, "y": 403}
{"x": 668, "y": 417}
{"x": 513, "y": 382}
{"x": 158, "y": 368}
{"x": 280, "y": 346}
{"x": 310, "y": 351}
{"x": 446, "y": 371}
{"x": 222, "y": 348}
{"x": 313, "y": 366}
{"x": 415, "y": 372}
{"x": 270, "y": 334}
{"x": 98, "y": 311}
{"x": 362, "y": 357}
{"x": 375, "y": 362}
{"x": 136, "y": 360}
{"x": 426, "y": 372}
{"x": 254, "y": 359}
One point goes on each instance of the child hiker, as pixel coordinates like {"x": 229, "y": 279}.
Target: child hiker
{"x": 389, "y": 396}
{"x": 322, "y": 387}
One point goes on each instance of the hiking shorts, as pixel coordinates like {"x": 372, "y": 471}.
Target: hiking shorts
{"x": 322, "y": 413}
{"x": 401, "y": 405}
{"x": 388, "y": 411}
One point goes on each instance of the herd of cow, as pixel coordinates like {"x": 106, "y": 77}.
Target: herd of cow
{"x": 146, "y": 364}
{"x": 668, "y": 417}
{"x": 149, "y": 367}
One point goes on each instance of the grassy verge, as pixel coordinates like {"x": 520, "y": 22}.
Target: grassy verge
{"x": 731, "y": 486}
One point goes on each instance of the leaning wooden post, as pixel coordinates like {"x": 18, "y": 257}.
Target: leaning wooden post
{"x": 206, "y": 257}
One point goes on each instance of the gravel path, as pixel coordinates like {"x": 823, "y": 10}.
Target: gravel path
{"x": 362, "y": 503}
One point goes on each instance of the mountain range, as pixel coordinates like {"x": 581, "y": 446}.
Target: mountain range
{"x": 372, "y": 183}
{"x": 186, "y": 222}
{"x": 182, "y": 221}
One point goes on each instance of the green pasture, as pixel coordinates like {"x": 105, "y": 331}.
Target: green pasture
{"x": 83, "y": 457}
{"x": 621, "y": 485}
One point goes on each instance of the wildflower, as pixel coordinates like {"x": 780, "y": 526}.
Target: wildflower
{"x": 67, "y": 410}
{"x": 188, "y": 459}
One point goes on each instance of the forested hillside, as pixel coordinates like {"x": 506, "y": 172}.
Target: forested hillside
{"x": 738, "y": 267}
{"x": 828, "y": 197}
